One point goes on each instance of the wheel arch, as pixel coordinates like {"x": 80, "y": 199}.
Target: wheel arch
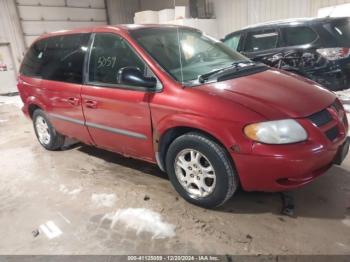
{"x": 33, "y": 104}
{"x": 169, "y": 135}
{"x": 31, "y": 108}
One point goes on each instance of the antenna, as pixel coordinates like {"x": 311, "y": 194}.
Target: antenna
{"x": 331, "y": 12}
{"x": 180, "y": 53}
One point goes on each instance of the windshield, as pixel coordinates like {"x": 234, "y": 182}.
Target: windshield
{"x": 340, "y": 31}
{"x": 184, "y": 53}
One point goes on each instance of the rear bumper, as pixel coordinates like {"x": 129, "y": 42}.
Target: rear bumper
{"x": 287, "y": 169}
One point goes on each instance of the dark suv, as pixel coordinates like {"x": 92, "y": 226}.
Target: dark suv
{"x": 317, "y": 48}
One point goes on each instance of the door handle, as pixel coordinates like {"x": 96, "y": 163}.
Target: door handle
{"x": 73, "y": 101}
{"x": 91, "y": 104}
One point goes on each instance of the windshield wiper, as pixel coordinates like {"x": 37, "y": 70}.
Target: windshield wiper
{"x": 234, "y": 66}
{"x": 230, "y": 70}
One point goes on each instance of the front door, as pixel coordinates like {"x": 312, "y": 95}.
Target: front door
{"x": 118, "y": 117}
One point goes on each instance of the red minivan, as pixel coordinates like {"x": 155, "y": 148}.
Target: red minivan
{"x": 208, "y": 116}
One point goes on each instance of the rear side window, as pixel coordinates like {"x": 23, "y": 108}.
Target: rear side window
{"x": 301, "y": 35}
{"x": 32, "y": 62}
{"x": 233, "y": 42}
{"x": 263, "y": 40}
{"x": 109, "y": 54}
{"x": 340, "y": 32}
{"x": 63, "y": 58}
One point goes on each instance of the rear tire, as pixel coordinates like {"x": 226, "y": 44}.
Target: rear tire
{"x": 46, "y": 134}
{"x": 201, "y": 170}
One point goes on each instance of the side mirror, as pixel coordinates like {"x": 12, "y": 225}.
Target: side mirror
{"x": 133, "y": 76}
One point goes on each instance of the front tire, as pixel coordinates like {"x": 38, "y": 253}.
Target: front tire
{"x": 47, "y": 136}
{"x": 201, "y": 170}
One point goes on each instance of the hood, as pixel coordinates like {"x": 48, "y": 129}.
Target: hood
{"x": 275, "y": 94}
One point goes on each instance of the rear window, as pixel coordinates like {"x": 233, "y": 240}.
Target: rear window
{"x": 64, "y": 58}
{"x": 31, "y": 65}
{"x": 340, "y": 31}
{"x": 58, "y": 58}
{"x": 263, "y": 40}
{"x": 300, "y": 35}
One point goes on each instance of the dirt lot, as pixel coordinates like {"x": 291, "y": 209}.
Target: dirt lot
{"x": 88, "y": 201}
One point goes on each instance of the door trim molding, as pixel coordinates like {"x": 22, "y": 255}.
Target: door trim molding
{"x": 68, "y": 119}
{"x": 98, "y": 126}
{"x": 116, "y": 130}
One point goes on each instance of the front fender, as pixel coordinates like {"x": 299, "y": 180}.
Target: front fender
{"x": 223, "y": 131}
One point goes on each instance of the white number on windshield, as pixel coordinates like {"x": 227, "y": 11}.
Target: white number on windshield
{"x": 106, "y": 61}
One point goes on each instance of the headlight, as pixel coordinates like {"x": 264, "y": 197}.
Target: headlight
{"x": 276, "y": 132}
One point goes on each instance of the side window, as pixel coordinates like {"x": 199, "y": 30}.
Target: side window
{"x": 298, "y": 36}
{"x": 263, "y": 40}
{"x": 32, "y": 62}
{"x": 63, "y": 58}
{"x": 233, "y": 42}
{"x": 109, "y": 54}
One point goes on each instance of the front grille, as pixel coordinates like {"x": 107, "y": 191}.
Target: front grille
{"x": 332, "y": 133}
{"x": 324, "y": 117}
{"x": 321, "y": 118}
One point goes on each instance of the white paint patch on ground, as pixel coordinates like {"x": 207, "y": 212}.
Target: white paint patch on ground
{"x": 64, "y": 218}
{"x": 3, "y": 121}
{"x": 72, "y": 192}
{"x": 341, "y": 244}
{"x": 346, "y": 221}
{"x": 50, "y": 230}
{"x": 103, "y": 200}
{"x": 142, "y": 220}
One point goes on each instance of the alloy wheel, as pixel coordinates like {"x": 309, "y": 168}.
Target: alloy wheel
{"x": 195, "y": 173}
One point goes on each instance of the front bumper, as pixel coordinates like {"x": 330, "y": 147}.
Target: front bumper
{"x": 284, "y": 172}
{"x": 273, "y": 168}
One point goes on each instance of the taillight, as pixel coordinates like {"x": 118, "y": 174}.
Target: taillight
{"x": 334, "y": 53}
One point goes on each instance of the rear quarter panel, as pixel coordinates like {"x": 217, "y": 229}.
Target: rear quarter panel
{"x": 30, "y": 92}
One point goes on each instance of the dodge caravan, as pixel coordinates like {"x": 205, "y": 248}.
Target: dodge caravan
{"x": 208, "y": 116}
